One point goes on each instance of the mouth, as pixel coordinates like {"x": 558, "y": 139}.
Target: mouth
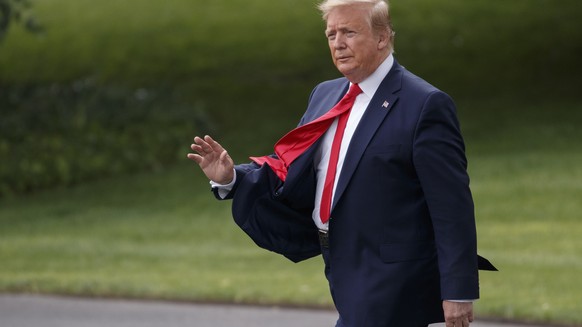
{"x": 342, "y": 58}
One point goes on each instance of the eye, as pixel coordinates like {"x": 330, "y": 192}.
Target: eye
{"x": 351, "y": 33}
{"x": 330, "y": 36}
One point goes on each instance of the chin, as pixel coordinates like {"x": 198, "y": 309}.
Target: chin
{"x": 345, "y": 69}
{"x": 350, "y": 74}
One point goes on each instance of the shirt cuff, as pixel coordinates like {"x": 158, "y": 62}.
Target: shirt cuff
{"x": 224, "y": 189}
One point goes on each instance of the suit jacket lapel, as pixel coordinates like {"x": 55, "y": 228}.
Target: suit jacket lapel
{"x": 380, "y": 105}
{"x": 305, "y": 160}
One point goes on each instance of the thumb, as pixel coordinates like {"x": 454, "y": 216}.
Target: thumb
{"x": 225, "y": 158}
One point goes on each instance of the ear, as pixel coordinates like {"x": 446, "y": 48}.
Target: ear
{"x": 383, "y": 40}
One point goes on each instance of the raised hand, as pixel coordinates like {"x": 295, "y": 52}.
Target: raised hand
{"x": 213, "y": 159}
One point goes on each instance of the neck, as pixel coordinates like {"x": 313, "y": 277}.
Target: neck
{"x": 380, "y": 59}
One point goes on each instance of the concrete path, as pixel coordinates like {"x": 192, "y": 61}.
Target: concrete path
{"x": 51, "y": 311}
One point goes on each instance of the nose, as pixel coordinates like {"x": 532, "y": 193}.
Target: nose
{"x": 339, "y": 41}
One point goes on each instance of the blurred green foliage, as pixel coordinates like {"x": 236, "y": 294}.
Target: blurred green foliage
{"x": 65, "y": 134}
{"x": 17, "y": 11}
{"x": 118, "y": 86}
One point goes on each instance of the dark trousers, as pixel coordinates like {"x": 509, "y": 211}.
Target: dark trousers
{"x": 325, "y": 255}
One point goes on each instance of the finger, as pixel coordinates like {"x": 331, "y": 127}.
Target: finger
{"x": 225, "y": 158}
{"x": 195, "y": 157}
{"x": 212, "y": 143}
{"x": 198, "y": 140}
{"x": 197, "y": 148}
{"x": 204, "y": 146}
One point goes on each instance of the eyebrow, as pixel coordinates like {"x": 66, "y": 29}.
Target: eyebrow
{"x": 341, "y": 29}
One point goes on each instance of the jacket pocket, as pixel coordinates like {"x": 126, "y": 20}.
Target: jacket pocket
{"x": 399, "y": 252}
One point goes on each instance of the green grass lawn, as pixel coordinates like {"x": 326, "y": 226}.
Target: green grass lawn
{"x": 527, "y": 181}
{"x": 163, "y": 236}
{"x": 147, "y": 236}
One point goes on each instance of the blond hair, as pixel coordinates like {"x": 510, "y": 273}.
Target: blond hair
{"x": 379, "y": 14}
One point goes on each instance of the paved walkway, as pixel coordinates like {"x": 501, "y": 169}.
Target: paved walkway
{"x": 51, "y": 311}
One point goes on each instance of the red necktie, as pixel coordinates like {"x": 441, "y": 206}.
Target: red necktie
{"x": 294, "y": 143}
{"x": 326, "y": 196}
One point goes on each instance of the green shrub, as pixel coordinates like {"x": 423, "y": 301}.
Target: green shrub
{"x": 63, "y": 134}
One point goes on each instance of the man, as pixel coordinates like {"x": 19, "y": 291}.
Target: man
{"x": 383, "y": 194}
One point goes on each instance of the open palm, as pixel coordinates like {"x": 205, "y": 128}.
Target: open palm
{"x": 213, "y": 159}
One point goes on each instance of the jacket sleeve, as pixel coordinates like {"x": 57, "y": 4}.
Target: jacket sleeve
{"x": 240, "y": 172}
{"x": 441, "y": 165}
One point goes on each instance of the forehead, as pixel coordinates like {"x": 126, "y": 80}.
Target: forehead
{"x": 354, "y": 16}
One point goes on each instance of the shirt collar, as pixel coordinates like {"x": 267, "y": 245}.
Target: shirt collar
{"x": 372, "y": 82}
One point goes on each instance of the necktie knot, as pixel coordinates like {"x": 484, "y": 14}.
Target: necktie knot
{"x": 354, "y": 90}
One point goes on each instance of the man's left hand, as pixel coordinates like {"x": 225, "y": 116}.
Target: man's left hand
{"x": 458, "y": 314}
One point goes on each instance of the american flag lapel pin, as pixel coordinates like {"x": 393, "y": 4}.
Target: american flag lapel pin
{"x": 385, "y": 104}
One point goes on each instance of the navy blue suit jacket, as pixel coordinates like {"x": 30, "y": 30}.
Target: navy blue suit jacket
{"x": 402, "y": 231}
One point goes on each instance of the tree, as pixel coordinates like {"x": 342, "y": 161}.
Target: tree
{"x": 17, "y": 11}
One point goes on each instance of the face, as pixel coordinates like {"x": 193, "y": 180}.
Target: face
{"x": 356, "y": 49}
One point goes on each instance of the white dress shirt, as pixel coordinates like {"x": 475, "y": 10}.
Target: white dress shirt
{"x": 321, "y": 158}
